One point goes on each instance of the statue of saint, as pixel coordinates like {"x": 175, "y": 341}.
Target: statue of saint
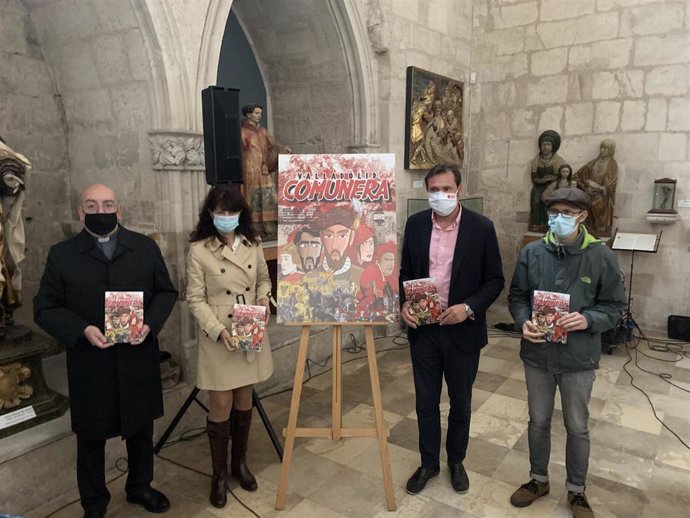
{"x": 544, "y": 169}
{"x": 14, "y": 168}
{"x": 598, "y": 179}
{"x": 259, "y": 163}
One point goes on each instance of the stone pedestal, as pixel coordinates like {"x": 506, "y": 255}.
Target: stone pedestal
{"x": 25, "y": 398}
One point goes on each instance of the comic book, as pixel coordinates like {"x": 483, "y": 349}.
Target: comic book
{"x": 337, "y": 238}
{"x": 423, "y": 298}
{"x": 248, "y": 326}
{"x": 124, "y": 316}
{"x": 547, "y": 308}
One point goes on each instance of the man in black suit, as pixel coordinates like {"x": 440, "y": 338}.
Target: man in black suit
{"x": 459, "y": 249}
{"x": 114, "y": 389}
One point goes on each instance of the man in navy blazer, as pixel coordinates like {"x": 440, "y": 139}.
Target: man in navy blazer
{"x": 459, "y": 249}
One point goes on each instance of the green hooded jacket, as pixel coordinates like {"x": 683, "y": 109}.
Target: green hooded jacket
{"x": 588, "y": 271}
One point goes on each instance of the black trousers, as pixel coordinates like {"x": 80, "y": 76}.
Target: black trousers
{"x": 434, "y": 357}
{"x": 91, "y": 468}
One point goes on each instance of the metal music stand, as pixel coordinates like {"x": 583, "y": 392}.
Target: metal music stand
{"x": 634, "y": 242}
{"x": 256, "y": 402}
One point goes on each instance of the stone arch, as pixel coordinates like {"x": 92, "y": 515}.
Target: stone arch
{"x": 340, "y": 44}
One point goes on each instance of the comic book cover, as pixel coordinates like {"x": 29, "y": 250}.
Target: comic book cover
{"x": 248, "y": 326}
{"x": 337, "y": 246}
{"x": 423, "y": 297}
{"x": 124, "y": 316}
{"x": 547, "y": 308}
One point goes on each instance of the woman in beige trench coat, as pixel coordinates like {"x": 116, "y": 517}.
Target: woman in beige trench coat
{"x": 226, "y": 266}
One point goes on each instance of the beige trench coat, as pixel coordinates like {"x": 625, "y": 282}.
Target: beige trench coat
{"x": 217, "y": 279}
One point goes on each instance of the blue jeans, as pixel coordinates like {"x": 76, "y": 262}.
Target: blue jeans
{"x": 576, "y": 389}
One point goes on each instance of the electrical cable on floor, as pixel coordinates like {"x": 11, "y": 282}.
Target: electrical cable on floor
{"x": 663, "y": 375}
{"x": 633, "y": 345}
{"x": 398, "y": 339}
{"x": 199, "y": 472}
{"x": 355, "y": 348}
{"x": 65, "y": 506}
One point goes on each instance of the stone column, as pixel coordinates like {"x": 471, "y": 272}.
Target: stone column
{"x": 178, "y": 161}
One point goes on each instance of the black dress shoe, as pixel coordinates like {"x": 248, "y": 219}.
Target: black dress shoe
{"x": 94, "y": 513}
{"x": 152, "y": 500}
{"x": 458, "y": 478}
{"x": 418, "y": 481}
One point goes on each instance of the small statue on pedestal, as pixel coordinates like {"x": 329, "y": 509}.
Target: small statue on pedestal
{"x": 598, "y": 179}
{"x": 564, "y": 178}
{"x": 543, "y": 170}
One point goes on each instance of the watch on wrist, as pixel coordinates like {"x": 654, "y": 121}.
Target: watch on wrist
{"x": 469, "y": 311}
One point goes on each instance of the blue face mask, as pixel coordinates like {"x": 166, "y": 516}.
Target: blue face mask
{"x": 561, "y": 226}
{"x": 226, "y": 224}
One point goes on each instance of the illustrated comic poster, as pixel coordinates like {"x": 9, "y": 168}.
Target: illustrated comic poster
{"x": 337, "y": 244}
{"x": 547, "y": 309}
{"x": 248, "y": 326}
{"x": 423, "y": 297}
{"x": 124, "y": 316}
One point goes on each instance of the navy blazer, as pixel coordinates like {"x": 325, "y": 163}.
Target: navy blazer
{"x": 477, "y": 277}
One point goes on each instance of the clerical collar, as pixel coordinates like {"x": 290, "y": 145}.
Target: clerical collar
{"x": 105, "y": 239}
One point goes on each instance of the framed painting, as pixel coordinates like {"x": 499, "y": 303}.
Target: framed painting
{"x": 433, "y": 120}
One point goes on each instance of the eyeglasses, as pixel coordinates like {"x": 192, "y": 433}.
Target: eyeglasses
{"x": 92, "y": 206}
{"x": 565, "y": 213}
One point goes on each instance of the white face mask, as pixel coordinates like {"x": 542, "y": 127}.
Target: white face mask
{"x": 443, "y": 203}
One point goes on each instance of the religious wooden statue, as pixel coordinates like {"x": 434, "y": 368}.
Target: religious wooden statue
{"x": 564, "y": 178}
{"x": 544, "y": 171}
{"x": 13, "y": 170}
{"x": 598, "y": 179}
{"x": 259, "y": 164}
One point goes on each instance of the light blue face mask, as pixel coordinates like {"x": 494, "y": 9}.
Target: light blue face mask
{"x": 443, "y": 203}
{"x": 226, "y": 224}
{"x": 561, "y": 226}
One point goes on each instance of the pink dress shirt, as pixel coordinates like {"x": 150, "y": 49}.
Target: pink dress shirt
{"x": 441, "y": 251}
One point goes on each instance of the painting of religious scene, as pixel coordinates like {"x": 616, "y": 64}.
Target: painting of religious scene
{"x": 337, "y": 249}
{"x": 433, "y": 122}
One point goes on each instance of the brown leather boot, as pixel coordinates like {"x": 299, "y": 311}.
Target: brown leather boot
{"x": 218, "y": 436}
{"x": 241, "y": 422}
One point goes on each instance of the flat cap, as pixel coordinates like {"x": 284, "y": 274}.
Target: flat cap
{"x": 570, "y": 195}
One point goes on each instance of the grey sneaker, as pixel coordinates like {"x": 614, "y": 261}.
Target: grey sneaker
{"x": 528, "y": 493}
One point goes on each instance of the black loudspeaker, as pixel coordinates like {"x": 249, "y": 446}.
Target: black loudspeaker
{"x": 222, "y": 135}
{"x": 679, "y": 328}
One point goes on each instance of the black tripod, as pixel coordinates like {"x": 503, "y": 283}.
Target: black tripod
{"x": 256, "y": 402}
{"x": 628, "y": 321}
{"x": 633, "y": 242}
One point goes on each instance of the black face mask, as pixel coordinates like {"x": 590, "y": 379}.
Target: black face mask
{"x": 100, "y": 224}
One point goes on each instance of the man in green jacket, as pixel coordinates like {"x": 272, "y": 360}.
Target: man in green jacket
{"x": 569, "y": 261}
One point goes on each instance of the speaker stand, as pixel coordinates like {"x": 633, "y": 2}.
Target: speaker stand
{"x": 192, "y": 398}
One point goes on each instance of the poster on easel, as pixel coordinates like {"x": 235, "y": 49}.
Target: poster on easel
{"x": 337, "y": 247}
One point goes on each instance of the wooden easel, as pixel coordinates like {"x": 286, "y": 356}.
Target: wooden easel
{"x": 336, "y": 431}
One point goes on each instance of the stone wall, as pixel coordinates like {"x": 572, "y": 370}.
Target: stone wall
{"x": 432, "y": 35}
{"x": 32, "y": 123}
{"x": 96, "y": 53}
{"x": 304, "y": 71}
{"x": 590, "y": 69}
